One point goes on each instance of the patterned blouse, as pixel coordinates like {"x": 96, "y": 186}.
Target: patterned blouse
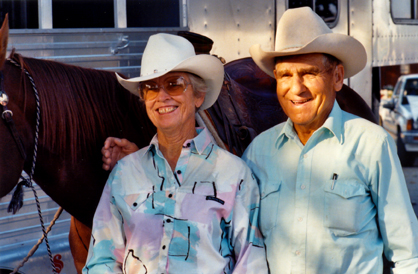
{"x": 201, "y": 218}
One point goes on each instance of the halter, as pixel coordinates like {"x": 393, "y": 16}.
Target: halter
{"x": 7, "y": 115}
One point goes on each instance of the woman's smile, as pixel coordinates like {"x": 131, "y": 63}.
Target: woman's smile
{"x": 164, "y": 110}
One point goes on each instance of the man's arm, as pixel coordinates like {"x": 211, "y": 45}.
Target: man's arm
{"x": 396, "y": 218}
{"x": 115, "y": 149}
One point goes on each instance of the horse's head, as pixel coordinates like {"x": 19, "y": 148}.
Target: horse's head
{"x": 14, "y": 127}
{"x": 4, "y": 35}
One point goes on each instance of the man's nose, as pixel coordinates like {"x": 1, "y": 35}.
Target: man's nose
{"x": 297, "y": 85}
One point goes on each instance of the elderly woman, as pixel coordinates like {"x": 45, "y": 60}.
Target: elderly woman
{"x": 182, "y": 204}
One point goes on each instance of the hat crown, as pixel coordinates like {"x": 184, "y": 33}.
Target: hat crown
{"x": 297, "y": 27}
{"x": 163, "y": 52}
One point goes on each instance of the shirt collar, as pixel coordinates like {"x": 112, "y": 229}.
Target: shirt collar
{"x": 200, "y": 142}
{"x": 333, "y": 123}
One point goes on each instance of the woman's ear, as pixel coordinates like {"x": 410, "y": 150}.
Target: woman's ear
{"x": 199, "y": 99}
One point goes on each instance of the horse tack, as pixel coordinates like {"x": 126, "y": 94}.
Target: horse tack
{"x": 16, "y": 203}
{"x": 246, "y": 106}
{"x": 7, "y": 115}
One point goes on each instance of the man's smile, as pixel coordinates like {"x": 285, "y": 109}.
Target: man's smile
{"x": 300, "y": 102}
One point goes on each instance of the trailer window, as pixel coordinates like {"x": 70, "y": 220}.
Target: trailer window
{"x": 21, "y": 15}
{"x": 82, "y": 14}
{"x": 152, "y": 13}
{"x": 327, "y": 9}
{"x": 404, "y": 11}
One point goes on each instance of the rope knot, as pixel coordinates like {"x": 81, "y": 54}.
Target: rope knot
{"x": 16, "y": 202}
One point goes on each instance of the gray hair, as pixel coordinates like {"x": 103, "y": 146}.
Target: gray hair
{"x": 330, "y": 62}
{"x": 199, "y": 86}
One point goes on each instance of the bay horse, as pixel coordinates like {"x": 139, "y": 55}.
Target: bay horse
{"x": 80, "y": 107}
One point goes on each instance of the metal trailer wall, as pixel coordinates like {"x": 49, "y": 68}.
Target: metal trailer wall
{"x": 393, "y": 44}
{"x": 20, "y": 232}
{"x": 236, "y": 25}
{"x": 118, "y": 50}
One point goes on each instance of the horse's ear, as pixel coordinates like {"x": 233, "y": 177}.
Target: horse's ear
{"x": 4, "y": 36}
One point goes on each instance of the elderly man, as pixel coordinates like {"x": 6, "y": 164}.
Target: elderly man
{"x": 333, "y": 195}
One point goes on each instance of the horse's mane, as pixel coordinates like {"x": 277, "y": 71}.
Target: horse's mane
{"x": 78, "y": 105}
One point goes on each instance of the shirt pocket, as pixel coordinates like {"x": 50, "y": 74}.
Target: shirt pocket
{"x": 202, "y": 201}
{"x": 345, "y": 207}
{"x": 184, "y": 239}
{"x": 269, "y": 205}
{"x": 134, "y": 201}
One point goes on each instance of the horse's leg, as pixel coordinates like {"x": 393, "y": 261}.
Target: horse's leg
{"x": 79, "y": 239}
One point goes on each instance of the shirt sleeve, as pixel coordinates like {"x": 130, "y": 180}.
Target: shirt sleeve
{"x": 246, "y": 239}
{"x": 396, "y": 218}
{"x": 107, "y": 242}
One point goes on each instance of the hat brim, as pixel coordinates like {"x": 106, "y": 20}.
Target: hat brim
{"x": 347, "y": 49}
{"x": 208, "y": 67}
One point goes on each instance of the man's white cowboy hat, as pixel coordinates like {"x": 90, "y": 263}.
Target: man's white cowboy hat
{"x": 302, "y": 31}
{"x": 166, "y": 52}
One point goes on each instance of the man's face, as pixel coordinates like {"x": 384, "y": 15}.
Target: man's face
{"x": 306, "y": 89}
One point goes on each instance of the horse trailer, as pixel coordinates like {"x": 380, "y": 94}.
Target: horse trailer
{"x": 111, "y": 35}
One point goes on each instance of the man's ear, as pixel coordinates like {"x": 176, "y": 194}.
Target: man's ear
{"x": 338, "y": 77}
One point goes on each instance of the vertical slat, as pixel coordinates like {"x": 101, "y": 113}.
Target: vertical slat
{"x": 45, "y": 14}
{"x": 120, "y": 13}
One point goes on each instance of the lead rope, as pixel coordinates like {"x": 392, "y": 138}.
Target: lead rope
{"x": 29, "y": 183}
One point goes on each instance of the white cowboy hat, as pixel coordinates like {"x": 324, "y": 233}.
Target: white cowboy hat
{"x": 166, "y": 52}
{"x": 302, "y": 31}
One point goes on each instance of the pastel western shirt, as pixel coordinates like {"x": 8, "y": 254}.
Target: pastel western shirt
{"x": 323, "y": 203}
{"x": 201, "y": 218}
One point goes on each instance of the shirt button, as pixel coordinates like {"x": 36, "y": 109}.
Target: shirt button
{"x": 300, "y": 219}
{"x": 163, "y": 246}
{"x": 168, "y": 220}
{"x": 135, "y": 204}
{"x": 188, "y": 144}
{"x": 302, "y": 186}
{"x": 297, "y": 252}
{"x": 306, "y": 155}
{"x": 178, "y": 171}
{"x": 170, "y": 195}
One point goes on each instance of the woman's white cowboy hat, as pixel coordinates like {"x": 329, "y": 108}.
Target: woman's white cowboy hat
{"x": 302, "y": 31}
{"x": 166, "y": 52}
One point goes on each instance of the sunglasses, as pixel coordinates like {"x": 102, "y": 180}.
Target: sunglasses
{"x": 173, "y": 86}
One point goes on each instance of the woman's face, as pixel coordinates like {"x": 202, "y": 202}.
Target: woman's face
{"x": 172, "y": 112}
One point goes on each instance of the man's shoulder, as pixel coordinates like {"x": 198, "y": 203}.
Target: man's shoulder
{"x": 355, "y": 125}
{"x": 264, "y": 142}
{"x": 230, "y": 158}
{"x": 270, "y": 135}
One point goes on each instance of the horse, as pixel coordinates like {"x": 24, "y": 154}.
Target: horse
{"x": 80, "y": 107}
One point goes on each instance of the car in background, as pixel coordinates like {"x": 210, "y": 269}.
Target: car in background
{"x": 399, "y": 116}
